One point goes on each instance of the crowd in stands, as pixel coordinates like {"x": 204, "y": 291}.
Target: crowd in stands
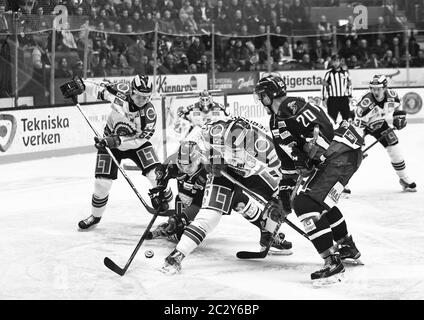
{"x": 121, "y": 41}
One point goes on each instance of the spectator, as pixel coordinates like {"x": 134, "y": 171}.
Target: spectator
{"x": 380, "y": 29}
{"x": 363, "y": 52}
{"x": 222, "y": 23}
{"x": 240, "y": 54}
{"x": 230, "y": 66}
{"x": 183, "y": 66}
{"x": 168, "y": 67}
{"x": 283, "y": 54}
{"x": 350, "y": 29}
{"x": 102, "y": 70}
{"x": 78, "y": 69}
{"x": 306, "y": 63}
{"x": 232, "y": 7}
{"x": 413, "y": 47}
{"x": 319, "y": 52}
{"x": 299, "y": 51}
{"x": 204, "y": 66}
{"x": 63, "y": 71}
{"x": 187, "y": 9}
{"x": 143, "y": 67}
{"x": 325, "y": 30}
{"x": 167, "y": 23}
{"x": 252, "y": 56}
{"x": 263, "y": 10}
{"x": 397, "y": 49}
{"x": 237, "y": 22}
{"x": 136, "y": 20}
{"x": 373, "y": 62}
{"x": 148, "y": 23}
{"x": 389, "y": 61}
{"x": 67, "y": 38}
{"x": 379, "y": 48}
{"x": 218, "y": 9}
{"x": 298, "y": 15}
{"x": 136, "y": 51}
{"x": 283, "y": 13}
{"x": 419, "y": 60}
{"x": 347, "y": 50}
{"x": 192, "y": 68}
{"x": 170, "y": 7}
{"x": 195, "y": 51}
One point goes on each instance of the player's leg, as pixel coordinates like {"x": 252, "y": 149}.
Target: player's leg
{"x": 217, "y": 201}
{"x": 258, "y": 216}
{"x": 344, "y": 108}
{"x": 146, "y": 159}
{"x": 105, "y": 172}
{"x": 391, "y": 144}
{"x": 332, "y": 108}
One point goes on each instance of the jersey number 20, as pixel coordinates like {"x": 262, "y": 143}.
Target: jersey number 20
{"x": 306, "y": 117}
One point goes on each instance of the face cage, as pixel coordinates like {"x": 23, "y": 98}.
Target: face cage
{"x": 205, "y": 102}
{"x": 140, "y": 98}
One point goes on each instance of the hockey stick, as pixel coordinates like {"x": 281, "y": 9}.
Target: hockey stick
{"x": 364, "y": 154}
{"x": 121, "y": 271}
{"x": 260, "y": 254}
{"x": 148, "y": 208}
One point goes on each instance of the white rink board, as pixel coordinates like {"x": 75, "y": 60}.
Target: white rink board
{"x": 45, "y": 129}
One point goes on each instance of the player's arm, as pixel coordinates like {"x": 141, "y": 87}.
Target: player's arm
{"x": 399, "y": 115}
{"x": 136, "y": 141}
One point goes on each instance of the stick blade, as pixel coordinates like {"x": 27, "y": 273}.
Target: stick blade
{"x": 113, "y": 266}
{"x": 251, "y": 254}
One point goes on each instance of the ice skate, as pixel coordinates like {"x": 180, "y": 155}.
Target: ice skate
{"x": 333, "y": 272}
{"x": 89, "y": 223}
{"x": 172, "y": 263}
{"x": 279, "y": 245}
{"x": 408, "y": 186}
{"x": 349, "y": 253}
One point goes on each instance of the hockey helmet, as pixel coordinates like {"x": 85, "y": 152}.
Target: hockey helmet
{"x": 269, "y": 88}
{"x": 189, "y": 157}
{"x": 141, "y": 91}
{"x": 378, "y": 86}
{"x": 205, "y": 100}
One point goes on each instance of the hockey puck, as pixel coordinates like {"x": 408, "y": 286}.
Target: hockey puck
{"x": 149, "y": 253}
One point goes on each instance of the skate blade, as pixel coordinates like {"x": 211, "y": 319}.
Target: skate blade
{"x": 323, "y": 282}
{"x": 409, "y": 190}
{"x": 88, "y": 229}
{"x": 169, "y": 271}
{"x": 286, "y": 252}
{"x": 354, "y": 262}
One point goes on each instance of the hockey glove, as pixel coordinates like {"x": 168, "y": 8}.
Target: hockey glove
{"x": 301, "y": 162}
{"x": 157, "y": 196}
{"x": 399, "y": 119}
{"x": 73, "y": 88}
{"x": 111, "y": 142}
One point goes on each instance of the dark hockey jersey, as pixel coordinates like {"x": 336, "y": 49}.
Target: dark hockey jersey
{"x": 190, "y": 187}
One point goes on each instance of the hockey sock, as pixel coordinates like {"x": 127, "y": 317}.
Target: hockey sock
{"x": 398, "y": 161}
{"x": 100, "y": 196}
{"x": 251, "y": 211}
{"x": 337, "y": 224}
{"x": 315, "y": 223}
{"x": 205, "y": 221}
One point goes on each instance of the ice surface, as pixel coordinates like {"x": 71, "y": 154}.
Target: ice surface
{"x": 43, "y": 256}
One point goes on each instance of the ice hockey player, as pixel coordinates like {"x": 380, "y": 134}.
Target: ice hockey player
{"x": 129, "y": 126}
{"x": 326, "y": 159}
{"x": 373, "y": 112}
{"x": 196, "y": 115}
{"x": 233, "y": 145}
{"x": 187, "y": 169}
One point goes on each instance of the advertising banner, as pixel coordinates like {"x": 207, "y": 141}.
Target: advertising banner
{"x": 45, "y": 129}
{"x": 235, "y": 82}
{"x": 312, "y": 79}
{"x": 164, "y": 83}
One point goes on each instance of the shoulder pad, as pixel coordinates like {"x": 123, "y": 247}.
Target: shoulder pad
{"x": 366, "y": 101}
{"x": 294, "y": 104}
{"x": 120, "y": 90}
{"x": 392, "y": 94}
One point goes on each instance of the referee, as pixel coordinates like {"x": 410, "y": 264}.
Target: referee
{"x": 337, "y": 90}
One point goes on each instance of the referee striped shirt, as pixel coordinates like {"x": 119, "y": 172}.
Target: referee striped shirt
{"x": 337, "y": 83}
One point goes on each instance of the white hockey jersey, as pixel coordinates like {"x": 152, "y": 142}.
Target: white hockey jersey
{"x": 134, "y": 126}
